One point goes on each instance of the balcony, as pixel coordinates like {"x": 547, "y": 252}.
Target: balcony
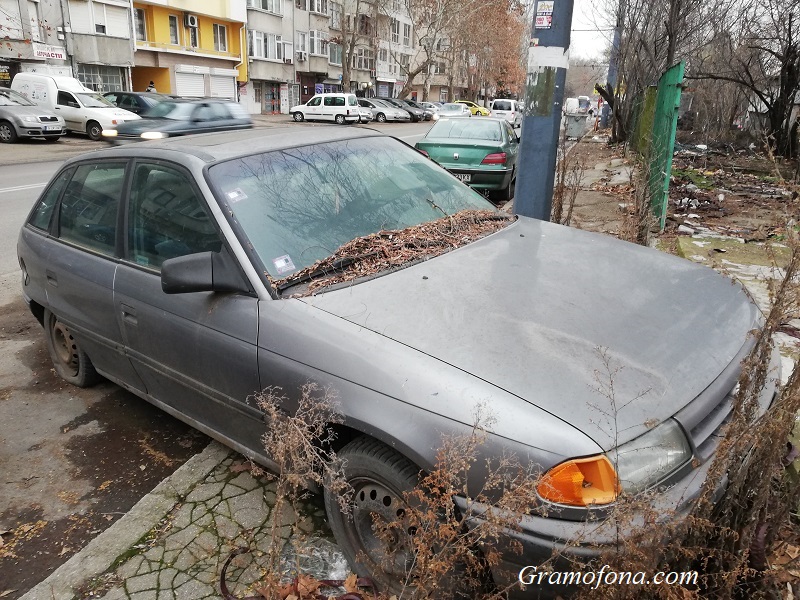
{"x": 177, "y": 49}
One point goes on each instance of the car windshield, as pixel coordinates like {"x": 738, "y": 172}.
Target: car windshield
{"x": 299, "y": 205}
{"x": 179, "y": 111}
{"x": 94, "y": 100}
{"x": 475, "y": 129}
{"x": 12, "y": 98}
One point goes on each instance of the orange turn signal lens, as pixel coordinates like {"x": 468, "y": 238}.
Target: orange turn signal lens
{"x": 580, "y": 482}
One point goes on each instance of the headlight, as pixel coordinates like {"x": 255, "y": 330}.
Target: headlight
{"x": 435, "y": 117}
{"x": 153, "y": 135}
{"x": 648, "y": 459}
{"x": 109, "y": 133}
{"x": 28, "y": 119}
{"x": 630, "y": 468}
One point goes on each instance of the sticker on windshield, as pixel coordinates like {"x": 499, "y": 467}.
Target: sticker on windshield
{"x": 283, "y": 264}
{"x": 236, "y": 195}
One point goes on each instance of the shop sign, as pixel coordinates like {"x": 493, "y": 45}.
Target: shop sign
{"x": 44, "y": 51}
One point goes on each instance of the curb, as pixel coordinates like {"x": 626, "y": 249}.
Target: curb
{"x": 99, "y": 554}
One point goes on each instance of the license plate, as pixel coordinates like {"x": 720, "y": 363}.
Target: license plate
{"x": 465, "y": 177}
{"x": 52, "y": 127}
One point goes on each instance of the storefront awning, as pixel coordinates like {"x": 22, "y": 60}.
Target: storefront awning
{"x": 332, "y": 81}
{"x": 385, "y": 79}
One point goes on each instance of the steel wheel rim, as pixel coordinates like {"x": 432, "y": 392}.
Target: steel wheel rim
{"x": 5, "y": 133}
{"x": 370, "y": 498}
{"x": 64, "y": 346}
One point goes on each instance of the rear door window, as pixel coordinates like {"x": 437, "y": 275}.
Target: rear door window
{"x": 40, "y": 218}
{"x": 88, "y": 212}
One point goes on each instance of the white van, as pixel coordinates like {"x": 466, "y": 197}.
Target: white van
{"x": 341, "y": 108}
{"x": 507, "y": 109}
{"x": 83, "y": 110}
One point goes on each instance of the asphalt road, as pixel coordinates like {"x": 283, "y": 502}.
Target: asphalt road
{"x": 72, "y": 461}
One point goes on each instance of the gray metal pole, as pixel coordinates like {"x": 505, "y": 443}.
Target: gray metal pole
{"x": 548, "y": 59}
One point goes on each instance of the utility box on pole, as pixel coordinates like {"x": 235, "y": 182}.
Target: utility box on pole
{"x": 548, "y": 60}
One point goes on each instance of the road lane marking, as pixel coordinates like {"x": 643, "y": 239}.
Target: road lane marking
{"x": 19, "y": 188}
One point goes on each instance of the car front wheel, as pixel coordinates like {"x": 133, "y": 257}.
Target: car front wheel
{"x": 70, "y": 362}
{"x": 8, "y": 135}
{"x": 340, "y": 120}
{"x": 298, "y": 116}
{"x": 94, "y": 130}
{"x": 380, "y": 118}
{"x": 379, "y": 476}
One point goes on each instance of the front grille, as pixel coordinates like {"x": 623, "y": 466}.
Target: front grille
{"x": 48, "y": 119}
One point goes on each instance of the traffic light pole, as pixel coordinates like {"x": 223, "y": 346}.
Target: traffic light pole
{"x": 548, "y": 60}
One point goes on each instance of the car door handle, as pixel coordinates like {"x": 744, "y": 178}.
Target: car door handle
{"x": 129, "y": 315}
{"x": 51, "y": 278}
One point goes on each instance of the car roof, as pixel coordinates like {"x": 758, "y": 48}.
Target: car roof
{"x": 213, "y": 147}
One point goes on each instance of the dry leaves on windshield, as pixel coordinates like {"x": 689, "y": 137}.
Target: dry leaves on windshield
{"x": 384, "y": 250}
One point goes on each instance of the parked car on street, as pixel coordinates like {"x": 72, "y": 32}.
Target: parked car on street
{"x": 21, "y": 118}
{"x": 337, "y": 107}
{"x": 383, "y": 111}
{"x": 186, "y": 270}
{"x": 475, "y": 109}
{"x": 171, "y": 118}
{"x": 136, "y": 102}
{"x": 508, "y": 110}
{"x": 428, "y": 112}
{"x": 453, "y": 109}
{"x": 479, "y": 152}
{"x": 417, "y": 114}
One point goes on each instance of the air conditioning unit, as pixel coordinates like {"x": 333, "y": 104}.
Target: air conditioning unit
{"x": 190, "y": 20}
{"x": 302, "y": 56}
{"x": 287, "y": 60}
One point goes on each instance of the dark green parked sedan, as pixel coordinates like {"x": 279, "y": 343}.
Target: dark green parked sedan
{"x": 480, "y": 152}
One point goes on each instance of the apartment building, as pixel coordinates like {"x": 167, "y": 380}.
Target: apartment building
{"x": 190, "y": 48}
{"x": 87, "y": 39}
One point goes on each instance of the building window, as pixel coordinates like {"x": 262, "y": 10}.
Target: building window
{"x": 301, "y": 4}
{"x": 335, "y": 54}
{"x": 364, "y": 25}
{"x": 443, "y": 95}
{"x": 193, "y": 40}
{"x": 318, "y": 6}
{"x": 404, "y": 60}
{"x": 397, "y": 5}
{"x": 141, "y": 30}
{"x": 395, "y": 27}
{"x": 173, "y": 30}
{"x": 406, "y": 34}
{"x": 99, "y": 28}
{"x": 265, "y": 45}
{"x": 318, "y": 43}
{"x": 302, "y": 45}
{"x": 33, "y": 13}
{"x": 100, "y": 78}
{"x": 220, "y": 38}
{"x": 336, "y": 15}
{"x": 273, "y": 6}
{"x": 364, "y": 59}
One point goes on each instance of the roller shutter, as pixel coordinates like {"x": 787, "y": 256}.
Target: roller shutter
{"x": 223, "y": 86}
{"x": 190, "y": 85}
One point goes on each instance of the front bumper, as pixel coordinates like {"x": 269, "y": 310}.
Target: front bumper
{"x": 38, "y": 130}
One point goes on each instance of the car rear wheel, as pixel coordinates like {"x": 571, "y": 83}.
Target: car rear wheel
{"x": 380, "y": 118}
{"x": 70, "y": 362}
{"x": 94, "y": 130}
{"x": 340, "y": 120}
{"x": 298, "y": 116}
{"x": 379, "y": 477}
{"x": 8, "y": 135}
{"x": 507, "y": 193}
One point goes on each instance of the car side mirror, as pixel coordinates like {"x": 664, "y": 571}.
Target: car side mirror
{"x": 202, "y": 272}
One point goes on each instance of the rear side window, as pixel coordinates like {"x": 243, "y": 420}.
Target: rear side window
{"x": 44, "y": 210}
{"x": 166, "y": 217}
{"x": 352, "y": 101}
{"x": 88, "y": 212}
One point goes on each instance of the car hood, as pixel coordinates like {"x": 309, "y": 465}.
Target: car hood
{"x": 554, "y": 315}
{"x": 27, "y": 111}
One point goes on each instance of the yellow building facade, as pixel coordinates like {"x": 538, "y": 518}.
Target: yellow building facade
{"x": 190, "y": 48}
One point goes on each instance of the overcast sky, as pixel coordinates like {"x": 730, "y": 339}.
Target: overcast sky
{"x": 589, "y": 15}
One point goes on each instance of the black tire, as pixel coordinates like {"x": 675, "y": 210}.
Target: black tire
{"x": 340, "y": 120}
{"x": 298, "y": 117}
{"x": 507, "y": 193}
{"x": 94, "y": 130}
{"x": 8, "y": 135}
{"x": 70, "y": 362}
{"x": 379, "y": 476}
{"x": 380, "y": 118}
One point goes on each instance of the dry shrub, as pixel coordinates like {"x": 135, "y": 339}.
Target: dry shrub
{"x": 638, "y": 223}
{"x": 449, "y": 546}
{"x": 569, "y": 176}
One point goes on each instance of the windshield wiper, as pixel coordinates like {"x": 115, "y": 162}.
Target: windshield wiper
{"x": 327, "y": 269}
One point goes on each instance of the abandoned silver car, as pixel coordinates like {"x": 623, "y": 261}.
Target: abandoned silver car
{"x": 196, "y": 271}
